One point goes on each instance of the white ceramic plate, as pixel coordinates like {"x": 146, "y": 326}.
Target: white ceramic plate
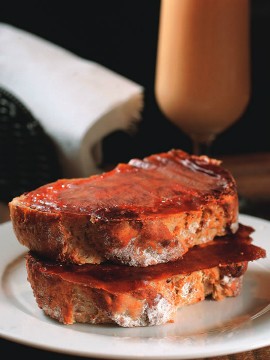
{"x": 205, "y": 329}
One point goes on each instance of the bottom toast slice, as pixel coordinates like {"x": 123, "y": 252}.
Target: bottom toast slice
{"x": 128, "y": 296}
{"x": 153, "y": 305}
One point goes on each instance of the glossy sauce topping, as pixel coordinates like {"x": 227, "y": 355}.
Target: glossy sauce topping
{"x": 163, "y": 183}
{"x": 228, "y": 250}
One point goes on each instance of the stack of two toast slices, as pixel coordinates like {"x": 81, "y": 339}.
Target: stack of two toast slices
{"x": 133, "y": 245}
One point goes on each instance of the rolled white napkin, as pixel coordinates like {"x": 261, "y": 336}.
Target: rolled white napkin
{"x": 77, "y": 102}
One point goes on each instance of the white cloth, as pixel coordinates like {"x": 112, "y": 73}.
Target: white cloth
{"x": 77, "y": 102}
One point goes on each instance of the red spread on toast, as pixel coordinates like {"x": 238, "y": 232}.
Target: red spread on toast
{"x": 154, "y": 185}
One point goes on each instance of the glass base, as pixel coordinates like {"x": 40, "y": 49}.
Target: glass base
{"x": 201, "y": 144}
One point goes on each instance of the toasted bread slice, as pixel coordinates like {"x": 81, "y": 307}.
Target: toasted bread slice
{"x": 142, "y": 213}
{"x": 140, "y": 296}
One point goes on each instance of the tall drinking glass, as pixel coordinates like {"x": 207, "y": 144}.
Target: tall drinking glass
{"x": 203, "y": 66}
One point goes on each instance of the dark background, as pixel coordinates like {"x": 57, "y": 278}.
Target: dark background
{"x": 122, "y": 35}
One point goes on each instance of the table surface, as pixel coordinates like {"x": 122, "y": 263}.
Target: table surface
{"x": 14, "y": 349}
{"x": 252, "y": 175}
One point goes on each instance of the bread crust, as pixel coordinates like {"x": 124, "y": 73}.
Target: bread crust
{"x": 154, "y": 303}
{"x": 74, "y": 238}
{"x": 158, "y": 234}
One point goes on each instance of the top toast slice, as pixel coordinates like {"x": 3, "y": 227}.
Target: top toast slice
{"x": 142, "y": 213}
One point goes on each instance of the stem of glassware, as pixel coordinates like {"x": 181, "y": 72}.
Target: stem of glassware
{"x": 202, "y": 145}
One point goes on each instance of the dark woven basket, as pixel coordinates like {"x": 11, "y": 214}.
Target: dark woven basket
{"x": 28, "y": 158}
